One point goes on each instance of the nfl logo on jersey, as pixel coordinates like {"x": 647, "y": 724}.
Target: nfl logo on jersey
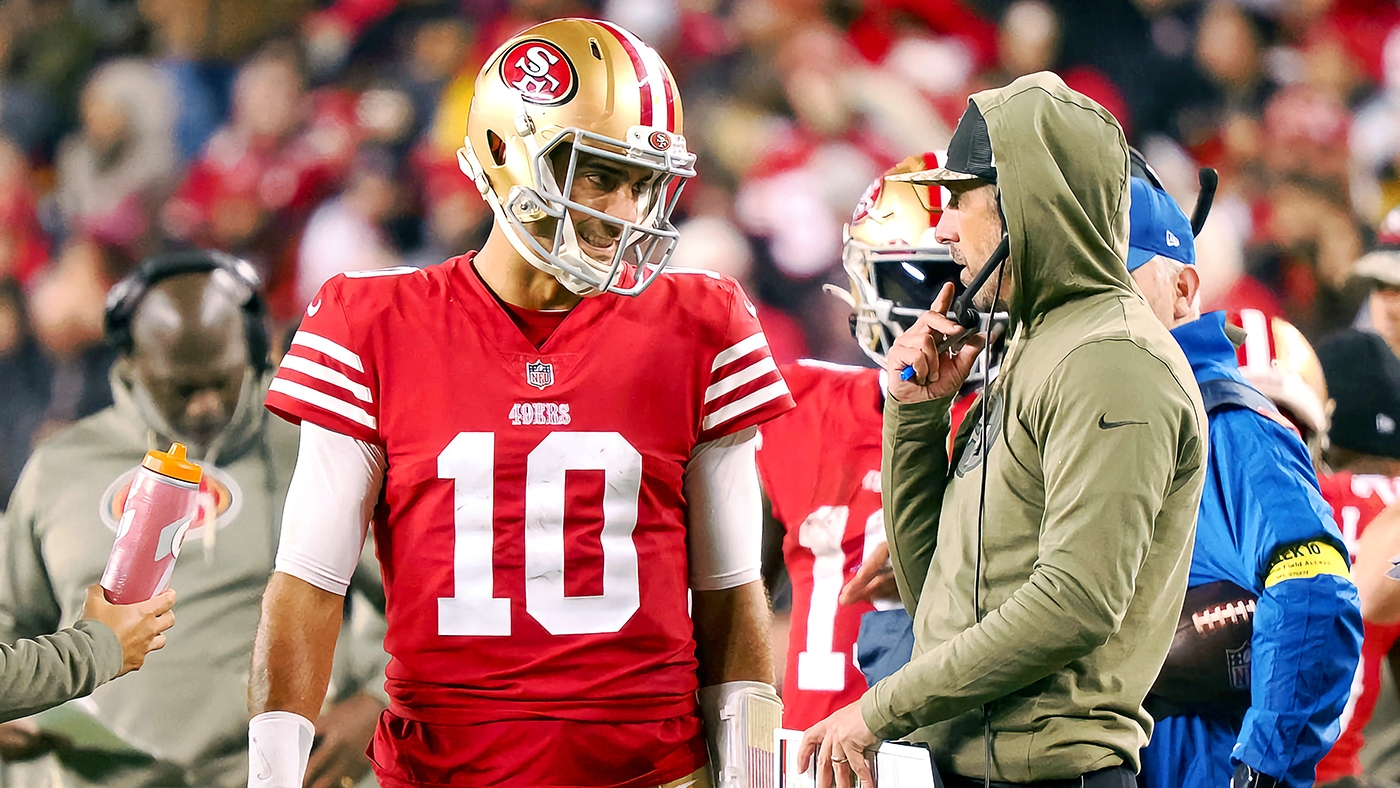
{"x": 539, "y": 374}
{"x": 1239, "y": 659}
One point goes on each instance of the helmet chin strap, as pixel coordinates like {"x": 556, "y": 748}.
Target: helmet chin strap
{"x": 568, "y": 250}
{"x": 872, "y": 324}
{"x": 840, "y": 293}
{"x": 515, "y": 229}
{"x": 867, "y": 316}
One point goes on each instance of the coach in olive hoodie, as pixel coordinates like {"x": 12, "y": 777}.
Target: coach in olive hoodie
{"x": 1093, "y": 477}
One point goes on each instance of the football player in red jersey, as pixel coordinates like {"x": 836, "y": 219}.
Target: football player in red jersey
{"x": 550, "y": 473}
{"x": 820, "y": 463}
{"x": 1277, "y": 360}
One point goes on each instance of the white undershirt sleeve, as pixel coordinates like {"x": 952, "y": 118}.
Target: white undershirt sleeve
{"x": 330, "y": 502}
{"x": 725, "y": 508}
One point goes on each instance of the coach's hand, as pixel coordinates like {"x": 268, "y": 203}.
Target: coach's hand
{"x": 839, "y": 743}
{"x": 140, "y": 626}
{"x": 935, "y": 376}
{"x": 873, "y": 581}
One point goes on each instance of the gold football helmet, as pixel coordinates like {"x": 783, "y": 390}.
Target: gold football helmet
{"x": 564, "y": 88}
{"x": 895, "y": 265}
{"x": 1276, "y": 359}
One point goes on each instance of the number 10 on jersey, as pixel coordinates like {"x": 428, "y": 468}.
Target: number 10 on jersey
{"x": 469, "y": 461}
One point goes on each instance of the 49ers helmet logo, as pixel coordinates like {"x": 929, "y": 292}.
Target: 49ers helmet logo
{"x": 540, "y": 71}
{"x": 867, "y": 201}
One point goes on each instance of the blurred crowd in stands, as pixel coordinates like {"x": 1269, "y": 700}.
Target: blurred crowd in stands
{"x": 318, "y": 137}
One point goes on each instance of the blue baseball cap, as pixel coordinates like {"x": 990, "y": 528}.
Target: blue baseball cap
{"x": 1157, "y": 225}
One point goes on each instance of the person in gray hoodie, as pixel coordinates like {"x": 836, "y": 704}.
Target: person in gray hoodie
{"x": 193, "y": 367}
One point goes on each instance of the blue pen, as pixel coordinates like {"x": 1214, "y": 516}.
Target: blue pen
{"x": 906, "y": 374}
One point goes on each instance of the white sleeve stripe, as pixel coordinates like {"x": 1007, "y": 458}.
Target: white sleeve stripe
{"x": 323, "y": 401}
{"x": 336, "y": 351}
{"x": 746, "y": 375}
{"x": 745, "y": 404}
{"x": 739, "y": 349}
{"x": 325, "y": 374}
{"x": 397, "y": 270}
{"x": 816, "y": 363}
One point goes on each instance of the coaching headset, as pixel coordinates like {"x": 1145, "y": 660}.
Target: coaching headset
{"x": 126, "y": 295}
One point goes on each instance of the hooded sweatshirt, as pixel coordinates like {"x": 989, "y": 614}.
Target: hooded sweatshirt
{"x": 1058, "y": 625}
{"x": 186, "y": 708}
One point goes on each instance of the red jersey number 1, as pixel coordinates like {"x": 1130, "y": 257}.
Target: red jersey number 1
{"x": 469, "y": 460}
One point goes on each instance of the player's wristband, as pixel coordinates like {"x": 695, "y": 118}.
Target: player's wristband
{"x": 740, "y": 718}
{"x": 279, "y": 745}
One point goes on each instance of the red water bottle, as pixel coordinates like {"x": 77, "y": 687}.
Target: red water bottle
{"x": 159, "y": 508}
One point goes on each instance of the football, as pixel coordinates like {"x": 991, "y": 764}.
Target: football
{"x": 1207, "y": 668}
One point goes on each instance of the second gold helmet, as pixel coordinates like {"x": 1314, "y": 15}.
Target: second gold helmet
{"x": 896, "y": 268}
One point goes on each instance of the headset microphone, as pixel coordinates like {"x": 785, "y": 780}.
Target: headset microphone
{"x": 1209, "y": 179}
{"x": 962, "y": 311}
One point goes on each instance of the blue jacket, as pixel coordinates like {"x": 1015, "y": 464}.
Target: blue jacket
{"x": 1261, "y": 496}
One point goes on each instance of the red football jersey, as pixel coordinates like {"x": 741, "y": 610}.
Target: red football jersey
{"x": 1355, "y": 501}
{"x": 532, "y": 527}
{"x": 820, "y": 466}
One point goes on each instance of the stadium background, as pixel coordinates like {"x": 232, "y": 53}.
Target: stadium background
{"x": 319, "y": 137}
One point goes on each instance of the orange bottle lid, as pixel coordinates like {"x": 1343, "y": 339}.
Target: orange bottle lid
{"x": 173, "y": 464}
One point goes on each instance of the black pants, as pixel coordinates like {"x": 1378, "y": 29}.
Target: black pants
{"x": 1112, "y": 777}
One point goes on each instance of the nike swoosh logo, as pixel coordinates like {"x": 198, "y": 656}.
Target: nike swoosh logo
{"x": 313, "y": 308}
{"x": 265, "y": 773}
{"x": 1108, "y": 425}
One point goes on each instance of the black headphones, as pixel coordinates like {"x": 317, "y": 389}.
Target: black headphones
{"x": 125, "y": 296}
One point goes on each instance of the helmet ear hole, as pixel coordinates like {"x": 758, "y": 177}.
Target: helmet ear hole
{"x": 593, "y": 48}
{"x": 498, "y": 147}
